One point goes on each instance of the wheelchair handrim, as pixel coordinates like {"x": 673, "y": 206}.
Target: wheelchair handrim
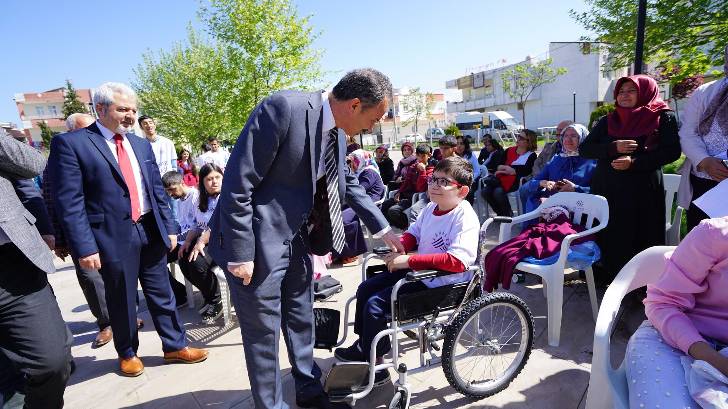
{"x": 503, "y": 331}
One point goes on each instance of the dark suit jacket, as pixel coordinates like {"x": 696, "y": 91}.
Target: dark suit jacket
{"x": 270, "y": 179}
{"x": 91, "y": 198}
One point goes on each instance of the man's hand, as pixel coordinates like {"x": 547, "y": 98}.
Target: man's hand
{"x": 714, "y": 167}
{"x": 172, "y": 242}
{"x": 392, "y": 241}
{"x": 92, "y": 262}
{"x": 199, "y": 248}
{"x": 622, "y": 163}
{"x": 50, "y": 240}
{"x": 244, "y": 271}
{"x": 626, "y": 146}
{"x": 61, "y": 252}
{"x": 396, "y": 261}
{"x": 183, "y": 248}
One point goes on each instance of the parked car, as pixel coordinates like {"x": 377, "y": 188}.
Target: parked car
{"x": 414, "y": 138}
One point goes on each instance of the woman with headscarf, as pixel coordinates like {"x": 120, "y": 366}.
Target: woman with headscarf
{"x": 565, "y": 172}
{"x": 631, "y": 145}
{"x": 384, "y": 163}
{"x": 704, "y": 139}
{"x": 366, "y": 170}
{"x": 408, "y": 158}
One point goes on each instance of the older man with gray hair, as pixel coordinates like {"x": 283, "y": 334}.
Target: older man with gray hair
{"x": 79, "y": 120}
{"x": 110, "y": 201}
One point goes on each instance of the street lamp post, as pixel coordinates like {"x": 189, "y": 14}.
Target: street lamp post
{"x": 574, "y": 105}
{"x": 639, "y": 45}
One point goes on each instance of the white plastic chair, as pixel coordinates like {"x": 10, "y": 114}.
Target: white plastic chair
{"x": 596, "y": 210}
{"x": 188, "y": 285}
{"x": 672, "y": 224}
{"x": 224, "y": 294}
{"x": 608, "y": 386}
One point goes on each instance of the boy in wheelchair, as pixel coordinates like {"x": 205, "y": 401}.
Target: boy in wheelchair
{"x": 446, "y": 237}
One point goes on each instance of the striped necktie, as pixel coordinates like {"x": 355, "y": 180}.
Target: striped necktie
{"x": 332, "y": 189}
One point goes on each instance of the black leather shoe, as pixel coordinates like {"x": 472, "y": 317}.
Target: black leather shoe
{"x": 320, "y": 401}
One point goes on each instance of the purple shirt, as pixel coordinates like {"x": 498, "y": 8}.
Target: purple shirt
{"x": 689, "y": 301}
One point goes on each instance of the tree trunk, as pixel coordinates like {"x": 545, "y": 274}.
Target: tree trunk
{"x": 523, "y": 115}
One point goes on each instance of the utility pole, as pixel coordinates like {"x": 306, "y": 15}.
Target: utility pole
{"x": 639, "y": 45}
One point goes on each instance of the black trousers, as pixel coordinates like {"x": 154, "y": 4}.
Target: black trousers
{"x": 394, "y": 212}
{"x": 200, "y": 274}
{"x": 694, "y": 215}
{"x": 92, "y": 286}
{"x": 33, "y": 336}
{"x": 497, "y": 198}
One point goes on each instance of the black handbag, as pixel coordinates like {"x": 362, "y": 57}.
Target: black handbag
{"x": 326, "y": 324}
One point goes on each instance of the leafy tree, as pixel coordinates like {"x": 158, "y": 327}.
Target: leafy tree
{"x": 453, "y": 130}
{"x": 685, "y": 36}
{"x": 419, "y": 105}
{"x": 46, "y": 133}
{"x": 208, "y": 85}
{"x": 71, "y": 103}
{"x": 272, "y": 43}
{"x": 521, "y": 80}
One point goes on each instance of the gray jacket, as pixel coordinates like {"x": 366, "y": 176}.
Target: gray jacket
{"x": 21, "y": 161}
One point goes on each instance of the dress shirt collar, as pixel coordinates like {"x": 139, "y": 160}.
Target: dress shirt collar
{"x": 328, "y": 121}
{"x": 106, "y": 132}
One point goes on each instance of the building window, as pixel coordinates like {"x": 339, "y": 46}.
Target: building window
{"x": 52, "y": 110}
{"x": 39, "y": 111}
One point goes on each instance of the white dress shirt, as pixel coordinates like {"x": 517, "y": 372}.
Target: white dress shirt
{"x": 109, "y": 137}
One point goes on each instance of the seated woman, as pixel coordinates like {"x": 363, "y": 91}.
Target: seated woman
{"x": 194, "y": 259}
{"x": 687, "y": 309}
{"x": 384, "y": 163}
{"x": 362, "y": 165}
{"x": 408, "y": 158}
{"x": 565, "y": 172}
{"x": 518, "y": 164}
{"x": 446, "y": 237}
{"x": 491, "y": 156}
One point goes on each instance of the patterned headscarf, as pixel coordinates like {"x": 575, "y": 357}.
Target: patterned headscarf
{"x": 581, "y": 130}
{"x": 362, "y": 160}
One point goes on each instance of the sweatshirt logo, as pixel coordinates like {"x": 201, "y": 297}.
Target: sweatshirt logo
{"x": 441, "y": 242}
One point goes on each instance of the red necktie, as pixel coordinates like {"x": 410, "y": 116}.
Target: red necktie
{"x": 128, "y": 173}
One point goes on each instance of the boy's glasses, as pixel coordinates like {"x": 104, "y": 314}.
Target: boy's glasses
{"x": 442, "y": 182}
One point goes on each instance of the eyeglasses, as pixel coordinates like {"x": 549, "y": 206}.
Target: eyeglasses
{"x": 442, "y": 182}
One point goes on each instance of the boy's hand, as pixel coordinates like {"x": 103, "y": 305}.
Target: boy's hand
{"x": 421, "y": 167}
{"x": 396, "y": 261}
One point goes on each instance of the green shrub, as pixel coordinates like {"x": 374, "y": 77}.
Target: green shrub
{"x": 598, "y": 113}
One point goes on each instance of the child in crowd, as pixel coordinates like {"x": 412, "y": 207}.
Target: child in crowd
{"x": 415, "y": 181}
{"x": 687, "y": 310}
{"x": 446, "y": 237}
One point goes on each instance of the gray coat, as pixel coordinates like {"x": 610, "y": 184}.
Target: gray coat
{"x": 21, "y": 161}
{"x": 270, "y": 180}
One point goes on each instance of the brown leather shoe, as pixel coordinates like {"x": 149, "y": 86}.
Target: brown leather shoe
{"x": 140, "y": 323}
{"x": 103, "y": 338}
{"x": 131, "y": 366}
{"x": 186, "y": 355}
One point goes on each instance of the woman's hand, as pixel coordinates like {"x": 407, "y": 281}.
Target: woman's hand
{"x": 703, "y": 351}
{"x": 622, "y": 163}
{"x": 396, "y": 197}
{"x": 396, "y": 261}
{"x": 547, "y": 184}
{"x": 626, "y": 145}
{"x": 565, "y": 185}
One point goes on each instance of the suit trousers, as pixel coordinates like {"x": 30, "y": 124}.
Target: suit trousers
{"x": 145, "y": 262}
{"x": 92, "y": 286}
{"x": 33, "y": 336}
{"x": 275, "y": 301}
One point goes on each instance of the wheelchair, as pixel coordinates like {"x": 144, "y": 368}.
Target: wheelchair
{"x": 485, "y": 340}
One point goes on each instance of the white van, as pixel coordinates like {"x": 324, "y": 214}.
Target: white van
{"x": 499, "y": 125}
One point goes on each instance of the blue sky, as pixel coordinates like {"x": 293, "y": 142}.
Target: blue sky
{"x": 417, "y": 43}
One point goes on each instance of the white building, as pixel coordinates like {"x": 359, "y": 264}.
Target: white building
{"x": 583, "y": 88}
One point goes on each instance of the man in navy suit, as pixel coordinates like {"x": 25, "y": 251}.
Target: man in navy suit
{"x": 111, "y": 204}
{"x": 281, "y": 199}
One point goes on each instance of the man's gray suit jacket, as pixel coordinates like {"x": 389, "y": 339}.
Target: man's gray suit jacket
{"x": 21, "y": 161}
{"x": 270, "y": 180}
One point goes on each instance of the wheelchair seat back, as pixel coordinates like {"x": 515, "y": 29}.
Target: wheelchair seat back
{"x": 421, "y": 304}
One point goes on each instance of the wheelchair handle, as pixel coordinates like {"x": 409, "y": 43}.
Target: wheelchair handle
{"x": 503, "y": 219}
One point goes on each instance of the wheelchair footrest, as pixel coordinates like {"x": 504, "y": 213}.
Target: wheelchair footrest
{"x": 346, "y": 378}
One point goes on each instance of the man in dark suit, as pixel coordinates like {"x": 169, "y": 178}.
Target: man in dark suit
{"x": 110, "y": 201}
{"x": 292, "y": 148}
{"x": 33, "y": 336}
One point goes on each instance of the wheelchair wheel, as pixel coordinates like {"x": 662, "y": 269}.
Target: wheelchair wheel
{"x": 487, "y": 344}
{"x": 400, "y": 400}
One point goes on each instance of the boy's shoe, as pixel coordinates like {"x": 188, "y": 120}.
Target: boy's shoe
{"x": 350, "y": 261}
{"x": 212, "y": 314}
{"x": 381, "y": 377}
{"x": 350, "y": 354}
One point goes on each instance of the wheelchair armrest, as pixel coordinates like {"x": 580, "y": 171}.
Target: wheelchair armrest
{"x": 503, "y": 219}
{"x": 425, "y": 274}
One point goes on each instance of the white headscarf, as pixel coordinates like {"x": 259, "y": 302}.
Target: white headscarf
{"x": 581, "y": 130}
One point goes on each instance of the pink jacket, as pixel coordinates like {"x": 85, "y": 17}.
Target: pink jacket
{"x": 690, "y": 300}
